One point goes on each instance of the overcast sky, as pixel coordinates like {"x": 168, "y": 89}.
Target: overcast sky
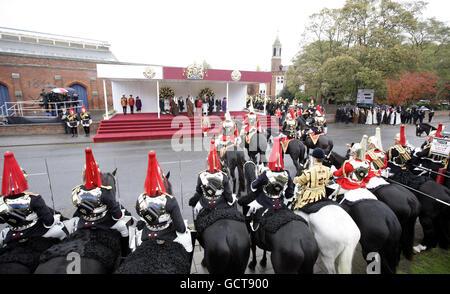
{"x": 228, "y": 34}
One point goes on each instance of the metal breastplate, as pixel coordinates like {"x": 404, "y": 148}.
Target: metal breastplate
{"x": 89, "y": 203}
{"x": 228, "y": 128}
{"x": 252, "y": 120}
{"x": 291, "y": 123}
{"x": 153, "y": 211}
{"x": 360, "y": 171}
{"x": 212, "y": 185}
{"x": 18, "y": 213}
{"x": 277, "y": 184}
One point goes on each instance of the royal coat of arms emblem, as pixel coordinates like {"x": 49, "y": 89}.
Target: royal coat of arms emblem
{"x": 194, "y": 72}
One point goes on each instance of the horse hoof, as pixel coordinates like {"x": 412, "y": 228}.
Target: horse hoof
{"x": 252, "y": 265}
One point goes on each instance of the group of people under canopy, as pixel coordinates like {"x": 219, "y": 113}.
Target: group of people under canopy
{"x": 202, "y": 106}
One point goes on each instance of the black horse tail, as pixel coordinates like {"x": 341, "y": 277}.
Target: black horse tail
{"x": 409, "y": 228}
{"x": 390, "y": 253}
{"x": 239, "y": 251}
{"x": 240, "y": 167}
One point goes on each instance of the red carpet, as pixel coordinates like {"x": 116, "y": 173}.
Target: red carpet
{"x": 147, "y": 126}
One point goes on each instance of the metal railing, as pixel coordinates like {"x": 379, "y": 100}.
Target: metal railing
{"x": 34, "y": 108}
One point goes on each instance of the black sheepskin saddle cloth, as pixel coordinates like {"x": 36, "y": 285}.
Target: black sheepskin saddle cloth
{"x": 273, "y": 219}
{"x": 316, "y": 206}
{"x": 406, "y": 177}
{"x": 26, "y": 253}
{"x": 153, "y": 258}
{"x": 101, "y": 245}
{"x": 207, "y": 217}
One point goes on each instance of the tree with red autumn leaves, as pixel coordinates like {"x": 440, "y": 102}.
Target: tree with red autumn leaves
{"x": 411, "y": 87}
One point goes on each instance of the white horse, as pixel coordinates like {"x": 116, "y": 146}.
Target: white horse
{"x": 336, "y": 234}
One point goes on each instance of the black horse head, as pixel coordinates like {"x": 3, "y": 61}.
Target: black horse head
{"x": 109, "y": 179}
{"x": 334, "y": 159}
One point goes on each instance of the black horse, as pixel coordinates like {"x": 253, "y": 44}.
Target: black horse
{"x": 323, "y": 142}
{"x": 424, "y": 128}
{"x": 379, "y": 226}
{"x": 97, "y": 251}
{"x": 402, "y": 202}
{"x": 157, "y": 256}
{"x": 292, "y": 244}
{"x": 434, "y": 216}
{"x": 223, "y": 235}
{"x": 257, "y": 145}
{"x": 234, "y": 157}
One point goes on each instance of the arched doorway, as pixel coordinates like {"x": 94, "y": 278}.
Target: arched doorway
{"x": 4, "y": 96}
{"x": 82, "y": 94}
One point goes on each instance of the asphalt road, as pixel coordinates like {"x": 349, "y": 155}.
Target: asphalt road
{"x": 65, "y": 163}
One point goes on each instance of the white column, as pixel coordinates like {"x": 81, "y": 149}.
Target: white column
{"x": 106, "y": 99}
{"x": 265, "y": 101}
{"x": 157, "y": 97}
{"x": 228, "y": 99}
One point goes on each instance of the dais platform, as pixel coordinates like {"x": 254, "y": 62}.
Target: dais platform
{"x": 147, "y": 126}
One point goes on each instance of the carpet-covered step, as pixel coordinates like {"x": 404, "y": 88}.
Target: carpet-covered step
{"x": 155, "y": 135}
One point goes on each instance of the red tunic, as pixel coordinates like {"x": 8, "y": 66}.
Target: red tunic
{"x": 349, "y": 166}
{"x": 231, "y": 137}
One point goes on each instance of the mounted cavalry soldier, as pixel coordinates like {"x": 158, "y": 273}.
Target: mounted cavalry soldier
{"x": 96, "y": 204}
{"x": 272, "y": 186}
{"x": 313, "y": 181}
{"x": 251, "y": 125}
{"x": 30, "y": 222}
{"x": 86, "y": 120}
{"x": 319, "y": 125}
{"x": 160, "y": 215}
{"x": 290, "y": 125}
{"x": 73, "y": 121}
{"x": 228, "y": 133}
{"x": 213, "y": 186}
{"x": 352, "y": 174}
{"x": 400, "y": 153}
{"x": 431, "y": 159}
{"x": 378, "y": 161}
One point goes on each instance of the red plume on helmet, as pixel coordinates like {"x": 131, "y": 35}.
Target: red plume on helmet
{"x": 275, "y": 159}
{"x": 438, "y": 131}
{"x": 213, "y": 159}
{"x": 402, "y": 135}
{"x": 154, "y": 185}
{"x": 71, "y": 111}
{"x": 83, "y": 109}
{"x": 93, "y": 179}
{"x": 319, "y": 109}
{"x": 14, "y": 181}
{"x": 291, "y": 111}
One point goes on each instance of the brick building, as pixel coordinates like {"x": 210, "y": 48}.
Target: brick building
{"x": 278, "y": 82}
{"x": 30, "y": 60}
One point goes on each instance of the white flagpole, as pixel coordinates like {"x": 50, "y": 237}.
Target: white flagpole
{"x": 157, "y": 97}
{"x": 106, "y": 100}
